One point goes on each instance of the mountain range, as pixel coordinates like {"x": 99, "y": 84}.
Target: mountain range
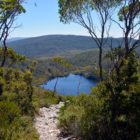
{"x": 53, "y": 45}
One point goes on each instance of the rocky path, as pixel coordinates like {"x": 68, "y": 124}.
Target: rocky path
{"x": 46, "y": 123}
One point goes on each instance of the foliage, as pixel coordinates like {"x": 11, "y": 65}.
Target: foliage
{"x": 112, "y": 112}
{"x": 20, "y": 129}
{"x": 8, "y": 6}
{"x": 79, "y": 115}
{"x": 17, "y": 88}
{"x": 71, "y": 9}
{"x": 121, "y": 96}
{"x": 9, "y": 111}
{"x": 83, "y": 13}
{"x": 12, "y": 57}
{"x": 16, "y": 107}
{"x": 129, "y": 7}
{"x": 119, "y": 93}
{"x": 20, "y": 99}
{"x": 13, "y": 126}
{"x": 9, "y": 10}
{"x": 61, "y": 61}
{"x": 43, "y": 98}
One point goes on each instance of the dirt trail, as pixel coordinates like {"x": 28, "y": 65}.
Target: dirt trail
{"x": 46, "y": 123}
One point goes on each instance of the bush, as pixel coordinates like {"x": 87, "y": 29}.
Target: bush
{"x": 120, "y": 94}
{"x": 13, "y": 126}
{"x": 79, "y": 116}
{"x": 16, "y": 108}
{"x": 9, "y": 111}
{"x": 43, "y": 98}
{"x": 21, "y": 129}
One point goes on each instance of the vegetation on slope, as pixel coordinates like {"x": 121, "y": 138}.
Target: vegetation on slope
{"x": 57, "y": 45}
{"x": 20, "y": 100}
{"x": 111, "y": 111}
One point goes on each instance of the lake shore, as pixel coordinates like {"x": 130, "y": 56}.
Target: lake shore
{"x": 73, "y": 84}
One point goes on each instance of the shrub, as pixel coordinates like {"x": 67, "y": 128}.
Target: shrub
{"x": 43, "y": 98}
{"x": 21, "y": 129}
{"x": 79, "y": 116}
{"x": 9, "y": 111}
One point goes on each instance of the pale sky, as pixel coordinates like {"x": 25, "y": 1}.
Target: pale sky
{"x": 43, "y": 19}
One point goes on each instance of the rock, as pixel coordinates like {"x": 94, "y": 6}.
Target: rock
{"x": 46, "y": 123}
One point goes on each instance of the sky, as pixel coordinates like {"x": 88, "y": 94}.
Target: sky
{"x": 42, "y": 18}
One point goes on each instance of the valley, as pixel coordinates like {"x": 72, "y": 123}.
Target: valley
{"x": 70, "y": 70}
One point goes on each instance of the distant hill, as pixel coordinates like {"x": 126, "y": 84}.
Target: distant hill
{"x": 52, "y": 45}
{"x": 15, "y": 39}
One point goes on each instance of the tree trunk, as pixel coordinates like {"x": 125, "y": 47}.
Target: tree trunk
{"x": 4, "y": 49}
{"x": 100, "y": 64}
{"x": 4, "y": 56}
{"x": 55, "y": 85}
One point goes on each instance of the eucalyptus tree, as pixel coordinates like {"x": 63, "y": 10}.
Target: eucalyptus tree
{"x": 120, "y": 92}
{"x": 123, "y": 81}
{"x": 128, "y": 21}
{"x": 9, "y": 10}
{"x": 94, "y": 16}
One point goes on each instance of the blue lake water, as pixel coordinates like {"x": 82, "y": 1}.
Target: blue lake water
{"x": 70, "y": 85}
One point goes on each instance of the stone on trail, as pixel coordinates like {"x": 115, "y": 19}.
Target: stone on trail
{"x": 46, "y": 123}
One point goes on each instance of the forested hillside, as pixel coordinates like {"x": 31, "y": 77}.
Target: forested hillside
{"x": 52, "y": 45}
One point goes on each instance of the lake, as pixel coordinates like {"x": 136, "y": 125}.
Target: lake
{"x": 70, "y": 85}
